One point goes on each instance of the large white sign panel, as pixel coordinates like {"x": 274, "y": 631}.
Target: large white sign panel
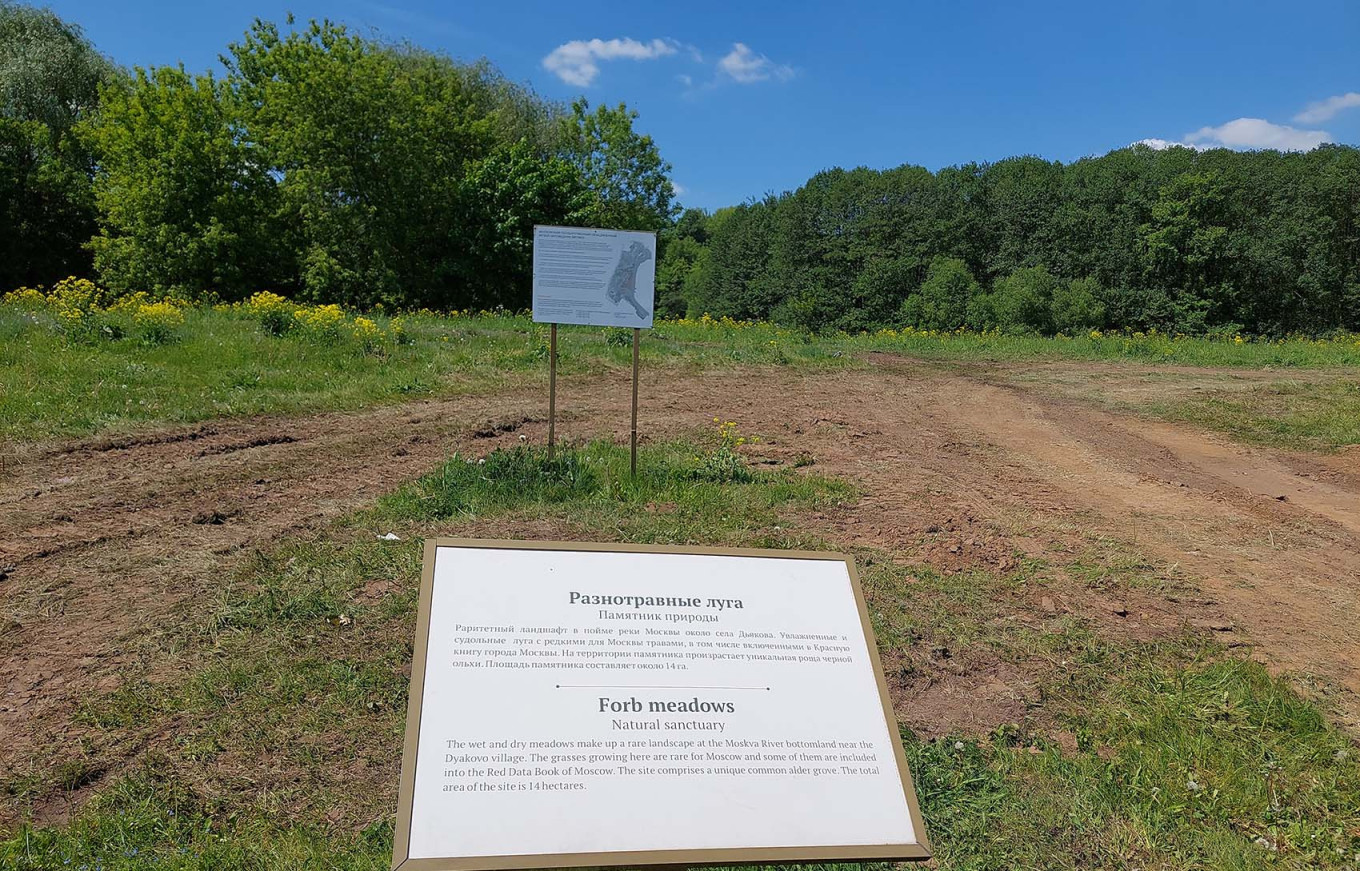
{"x": 649, "y": 706}
{"x": 595, "y": 277}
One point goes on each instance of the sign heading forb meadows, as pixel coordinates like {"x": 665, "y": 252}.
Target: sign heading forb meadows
{"x": 602, "y": 705}
{"x": 594, "y": 277}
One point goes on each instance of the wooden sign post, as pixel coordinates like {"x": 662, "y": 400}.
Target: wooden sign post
{"x": 633, "y": 462}
{"x": 597, "y": 705}
{"x": 595, "y": 277}
{"x": 552, "y": 389}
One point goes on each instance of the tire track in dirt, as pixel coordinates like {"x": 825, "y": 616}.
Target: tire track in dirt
{"x": 112, "y": 541}
{"x": 1286, "y": 570}
{"x": 117, "y": 543}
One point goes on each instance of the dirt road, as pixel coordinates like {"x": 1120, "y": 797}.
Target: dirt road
{"x": 115, "y": 542}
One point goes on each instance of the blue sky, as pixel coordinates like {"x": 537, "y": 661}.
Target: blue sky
{"x": 745, "y": 98}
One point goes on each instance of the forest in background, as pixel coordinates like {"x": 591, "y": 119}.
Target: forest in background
{"x": 1175, "y": 239}
{"x": 331, "y": 167}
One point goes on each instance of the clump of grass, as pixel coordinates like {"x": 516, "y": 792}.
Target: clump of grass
{"x": 618, "y": 337}
{"x": 158, "y": 322}
{"x": 468, "y": 486}
{"x": 724, "y": 464}
{"x": 676, "y": 496}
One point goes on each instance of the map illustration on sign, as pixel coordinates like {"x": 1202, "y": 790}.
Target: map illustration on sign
{"x": 623, "y": 283}
{"x": 594, "y": 277}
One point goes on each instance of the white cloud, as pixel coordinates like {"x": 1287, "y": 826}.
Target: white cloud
{"x": 679, "y": 189}
{"x": 1161, "y": 144}
{"x": 687, "y": 81}
{"x": 745, "y": 66}
{"x": 1325, "y": 110}
{"x": 1258, "y": 133}
{"x": 575, "y": 62}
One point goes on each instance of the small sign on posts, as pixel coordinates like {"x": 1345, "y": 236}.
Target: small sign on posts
{"x": 593, "y": 277}
{"x": 606, "y": 705}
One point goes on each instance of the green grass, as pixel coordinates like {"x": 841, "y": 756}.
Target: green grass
{"x": 223, "y": 364}
{"x": 147, "y": 821}
{"x": 1315, "y": 410}
{"x": 297, "y": 665}
{"x": 1156, "y": 348}
{"x": 673, "y": 500}
{"x": 284, "y": 733}
{"x": 1212, "y": 764}
{"x": 1180, "y": 755}
{"x": 1288, "y": 414}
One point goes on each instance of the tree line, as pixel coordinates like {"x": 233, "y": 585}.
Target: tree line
{"x": 332, "y": 167}
{"x": 1175, "y": 239}
{"x": 318, "y": 163}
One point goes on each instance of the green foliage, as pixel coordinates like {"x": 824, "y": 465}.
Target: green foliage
{"x": 618, "y": 337}
{"x": 368, "y": 143}
{"x": 46, "y": 206}
{"x": 158, "y": 323}
{"x": 1185, "y": 241}
{"x": 506, "y": 194}
{"x": 1176, "y": 240}
{"x": 736, "y": 282}
{"x": 50, "y": 76}
{"x": 873, "y": 294}
{"x": 682, "y": 257}
{"x": 344, "y": 169}
{"x": 184, "y": 202}
{"x": 49, "y": 72}
{"x": 1023, "y": 301}
{"x": 622, "y": 167}
{"x": 1076, "y": 306}
{"x": 724, "y": 464}
{"x": 331, "y": 167}
{"x": 276, "y": 315}
{"x": 678, "y": 260}
{"x": 942, "y": 302}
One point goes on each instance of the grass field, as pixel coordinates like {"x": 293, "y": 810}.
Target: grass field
{"x": 220, "y": 364}
{"x": 263, "y": 730}
{"x": 1319, "y": 415}
{"x": 287, "y": 719}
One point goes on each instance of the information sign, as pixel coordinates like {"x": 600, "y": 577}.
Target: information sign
{"x": 594, "y": 277}
{"x": 596, "y": 705}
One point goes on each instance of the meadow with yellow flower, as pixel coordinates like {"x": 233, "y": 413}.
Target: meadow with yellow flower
{"x": 75, "y": 359}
